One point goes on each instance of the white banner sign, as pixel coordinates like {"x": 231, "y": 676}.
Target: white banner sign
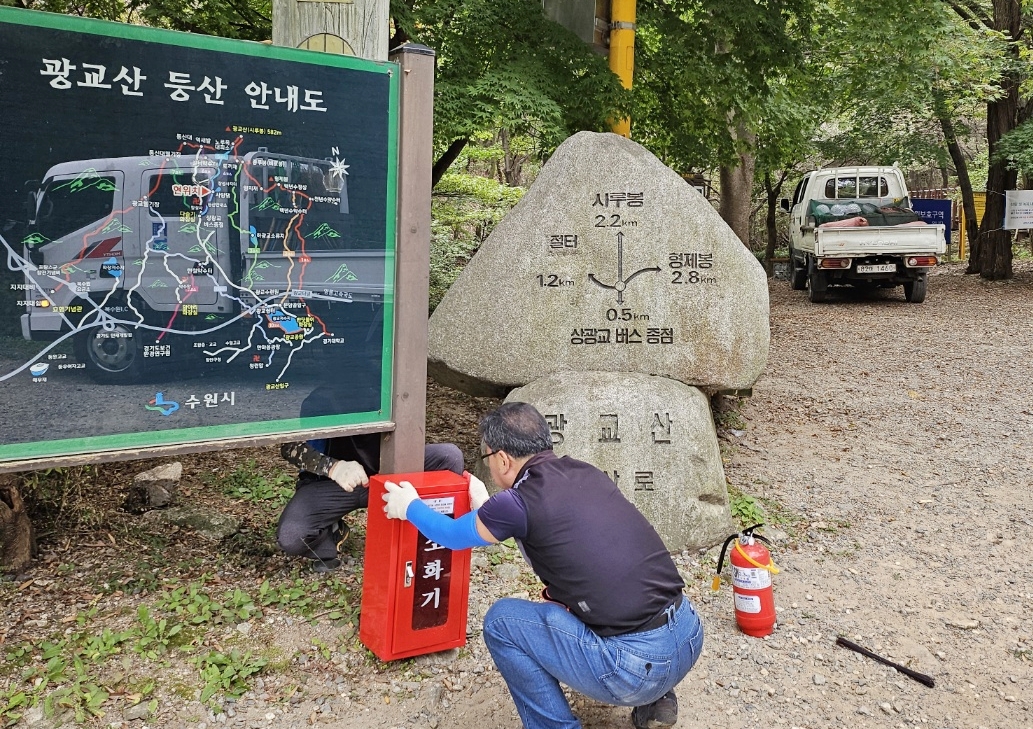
{"x": 1018, "y": 210}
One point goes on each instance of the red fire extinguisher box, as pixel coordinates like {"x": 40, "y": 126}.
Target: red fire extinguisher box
{"x": 414, "y": 591}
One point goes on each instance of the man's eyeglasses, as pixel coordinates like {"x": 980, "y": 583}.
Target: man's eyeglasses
{"x": 483, "y": 456}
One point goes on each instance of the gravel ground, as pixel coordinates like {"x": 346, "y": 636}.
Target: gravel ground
{"x": 890, "y": 446}
{"x": 893, "y": 441}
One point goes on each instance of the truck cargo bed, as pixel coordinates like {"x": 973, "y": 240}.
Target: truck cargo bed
{"x": 868, "y": 241}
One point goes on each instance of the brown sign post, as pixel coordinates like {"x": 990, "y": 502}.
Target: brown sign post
{"x": 402, "y": 450}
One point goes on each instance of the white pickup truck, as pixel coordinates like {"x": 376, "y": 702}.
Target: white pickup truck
{"x": 854, "y": 226}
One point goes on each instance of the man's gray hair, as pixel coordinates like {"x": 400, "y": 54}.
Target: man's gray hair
{"x": 516, "y": 428}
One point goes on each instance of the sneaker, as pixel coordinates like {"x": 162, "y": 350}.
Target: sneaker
{"x": 340, "y": 532}
{"x": 661, "y": 713}
{"x": 325, "y": 565}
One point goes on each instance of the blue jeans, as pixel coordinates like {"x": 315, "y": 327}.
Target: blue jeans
{"x": 538, "y": 645}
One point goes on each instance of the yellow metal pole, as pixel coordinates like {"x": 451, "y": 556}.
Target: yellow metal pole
{"x": 622, "y": 51}
{"x": 961, "y": 236}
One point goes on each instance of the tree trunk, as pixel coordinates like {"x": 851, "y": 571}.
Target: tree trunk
{"x": 445, "y": 161}
{"x": 1002, "y": 115}
{"x": 968, "y": 202}
{"x": 773, "y": 191}
{"x": 17, "y": 541}
{"x": 512, "y": 164}
{"x": 736, "y": 190}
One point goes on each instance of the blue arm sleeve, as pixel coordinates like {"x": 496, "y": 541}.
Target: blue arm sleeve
{"x": 458, "y": 533}
{"x": 320, "y": 445}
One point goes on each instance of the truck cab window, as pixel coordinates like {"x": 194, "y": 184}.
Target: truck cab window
{"x": 846, "y": 187}
{"x": 68, "y": 205}
{"x": 872, "y": 187}
{"x": 171, "y": 193}
{"x": 295, "y": 204}
{"x": 798, "y": 194}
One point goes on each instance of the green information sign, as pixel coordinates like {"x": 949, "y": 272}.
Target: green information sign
{"x": 197, "y": 238}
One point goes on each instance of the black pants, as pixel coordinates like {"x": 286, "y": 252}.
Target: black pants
{"x": 317, "y": 505}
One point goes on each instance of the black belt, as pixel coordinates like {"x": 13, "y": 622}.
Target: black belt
{"x": 657, "y": 621}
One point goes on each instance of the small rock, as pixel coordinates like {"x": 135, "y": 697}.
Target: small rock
{"x": 210, "y": 525}
{"x": 434, "y": 694}
{"x": 154, "y": 489}
{"x": 33, "y": 716}
{"x": 508, "y": 571}
{"x": 886, "y": 708}
{"x": 962, "y": 623}
{"x": 244, "y": 628}
{"x": 819, "y": 680}
{"x": 139, "y": 711}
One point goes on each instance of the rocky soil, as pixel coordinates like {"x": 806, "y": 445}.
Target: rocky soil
{"x": 890, "y": 447}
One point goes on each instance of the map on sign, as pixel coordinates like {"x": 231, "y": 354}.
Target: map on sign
{"x": 194, "y": 247}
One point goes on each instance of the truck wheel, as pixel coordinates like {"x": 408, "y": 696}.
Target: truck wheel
{"x": 797, "y": 274}
{"x": 817, "y": 287}
{"x": 914, "y": 291}
{"x": 112, "y": 356}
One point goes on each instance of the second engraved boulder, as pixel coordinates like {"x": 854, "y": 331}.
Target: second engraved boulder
{"x": 610, "y": 262}
{"x": 653, "y": 436}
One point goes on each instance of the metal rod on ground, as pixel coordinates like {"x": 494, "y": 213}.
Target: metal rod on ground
{"x": 920, "y": 677}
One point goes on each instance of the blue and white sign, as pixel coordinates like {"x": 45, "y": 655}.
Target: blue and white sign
{"x": 936, "y": 211}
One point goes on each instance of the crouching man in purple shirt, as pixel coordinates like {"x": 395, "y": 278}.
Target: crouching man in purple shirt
{"x": 614, "y": 624}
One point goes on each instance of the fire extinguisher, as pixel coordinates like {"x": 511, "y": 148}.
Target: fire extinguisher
{"x": 752, "y": 568}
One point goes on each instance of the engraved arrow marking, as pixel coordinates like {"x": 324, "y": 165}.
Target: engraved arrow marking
{"x": 621, "y": 283}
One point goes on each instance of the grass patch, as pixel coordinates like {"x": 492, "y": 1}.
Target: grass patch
{"x": 746, "y": 510}
{"x": 253, "y": 483}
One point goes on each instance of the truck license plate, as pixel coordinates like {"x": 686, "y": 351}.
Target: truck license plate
{"x": 878, "y": 268}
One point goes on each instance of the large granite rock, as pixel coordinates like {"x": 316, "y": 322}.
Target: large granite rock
{"x": 655, "y": 437}
{"x": 610, "y": 262}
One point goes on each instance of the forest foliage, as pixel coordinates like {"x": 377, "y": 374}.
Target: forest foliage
{"x": 782, "y": 85}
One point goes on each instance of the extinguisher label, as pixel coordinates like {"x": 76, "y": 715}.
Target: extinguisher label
{"x": 747, "y": 603}
{"x": 750, "y": 578}
{"x": 443, "y": 504}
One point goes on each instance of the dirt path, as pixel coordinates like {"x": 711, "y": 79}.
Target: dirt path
{"x": 897, "y": 438}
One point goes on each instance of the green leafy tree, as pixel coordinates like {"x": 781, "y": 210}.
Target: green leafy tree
{"x": 991, "y": 255}
{"x": 1016, "y": 149}
{"x": 907, "y": 80}
{"x": 706, "y": 71}
{"x": 244, "y": 19}
{"x": 502, "y": 65}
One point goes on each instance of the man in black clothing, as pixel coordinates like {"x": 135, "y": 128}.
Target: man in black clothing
{"x": 614, "y": 624}
{"x": 332, "y": 483}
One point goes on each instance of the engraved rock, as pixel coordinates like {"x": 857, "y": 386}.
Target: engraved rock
{"x": 610, "y": 262}
{"x": 654, "y": 436}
